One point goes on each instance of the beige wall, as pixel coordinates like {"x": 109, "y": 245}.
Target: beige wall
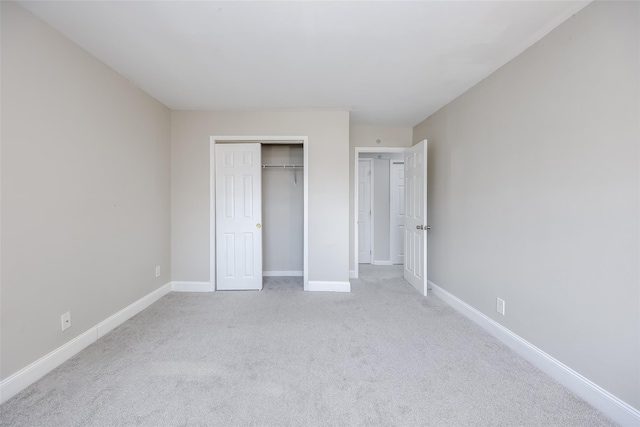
{"x": 328, "y": 133}
{"x": 534, "y": 195}
{"x": 366, "y": 136}
{"x": 85, "y": 190}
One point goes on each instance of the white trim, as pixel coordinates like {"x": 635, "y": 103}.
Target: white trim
{"x": 191, "y": 287}
{"x": 283, "y": 273}
{"x": 112, "y": 322}
{"x": 38, "y": 369}
{"x": 353, "y": 274}
{"x": 22, "y": 379}
{"x": 212, "y": 196}
{"x": 357, "y": 151}
{"x": 382, "y": 263}
{"x": 320, "y": 286}
{"x": 595, "y": 395}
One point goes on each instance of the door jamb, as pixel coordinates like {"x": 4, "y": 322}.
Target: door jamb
{"x": 358, "y": 150}
{"x": 212, "y": 196}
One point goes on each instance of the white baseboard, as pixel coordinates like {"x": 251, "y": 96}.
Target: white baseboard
{"x": 283, "y": 273}
{"x": 17, "y": 382}
{"x": 353, "y": 274}
{"x": 319, "y": 286}
{"x": 192, "y": 287}
{"x": 131, "y": 310}
{"x": 618, "y": 410}
{"x": 382, "y": 263}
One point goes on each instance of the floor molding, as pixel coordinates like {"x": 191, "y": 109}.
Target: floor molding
{"x": 353, "y": 274}
{"x": 319, "y": 286}
{"x": 381, "y": 263}
{"x": 282, "y": 273}
{"x": 607, "y": 403}
{"x": 22, "y": 379}
{"x": 191, "y": 287}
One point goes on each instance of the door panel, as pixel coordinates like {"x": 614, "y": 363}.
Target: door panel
{"x": 238, "y": 216}
{"x": 364, "y": 211}
{"x": 415, "y": 265}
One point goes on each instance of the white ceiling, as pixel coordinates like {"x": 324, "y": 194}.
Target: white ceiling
{"x": 389, "y": 63}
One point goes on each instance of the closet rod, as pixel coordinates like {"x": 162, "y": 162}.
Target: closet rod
{"x": 282, "y": 166}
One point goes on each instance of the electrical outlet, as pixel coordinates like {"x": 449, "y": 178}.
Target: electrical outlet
{"x": 157, "y": 271}
{"x": 65, "y": 320}
{"x": 500, "y": 306}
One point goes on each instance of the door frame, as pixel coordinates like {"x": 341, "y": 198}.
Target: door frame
{"x": 304, "y": 140}
{"x": 368, "y": 150}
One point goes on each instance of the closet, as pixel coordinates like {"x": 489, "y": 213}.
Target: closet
{"x": 282, "y": 209}
{"x": 259, "y": 213}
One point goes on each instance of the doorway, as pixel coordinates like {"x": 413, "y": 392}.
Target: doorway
{"x": 365, "y": 211}
{"x": 379, "y": 216}
{"x": 300, "y": 175}
{"x": 405, "y": 180}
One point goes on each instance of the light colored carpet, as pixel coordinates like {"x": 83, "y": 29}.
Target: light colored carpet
{"x": 381, "y": 355}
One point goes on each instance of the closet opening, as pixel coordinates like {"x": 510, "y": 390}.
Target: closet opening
{"x": 282, "y": 215}
{"x": 379, "y": 207}
{"x": 259, "y": 213}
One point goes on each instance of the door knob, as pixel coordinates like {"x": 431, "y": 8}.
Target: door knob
{"x": 258, "y": 225}
{"x": 427, "y": 227}
{"x": 419, "y": 227}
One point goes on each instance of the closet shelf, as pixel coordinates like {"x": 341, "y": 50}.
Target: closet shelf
{"x": 282, "y": 166}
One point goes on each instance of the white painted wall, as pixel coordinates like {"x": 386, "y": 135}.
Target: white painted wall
{"x": 282, "y": 209}
{"x": 85, "y": 190}
{"x": 534, "y": 195}
{"x": 328, "y": 133}
{"x": 366, "y": 136}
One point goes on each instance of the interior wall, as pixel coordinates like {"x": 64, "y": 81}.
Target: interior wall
{"x": 366, "y": 136}
{"x": 85, "y": 190}
{"x": 534, "y": 195}
{"x": 282, "y": 209}
{"x": 328, "y": 133}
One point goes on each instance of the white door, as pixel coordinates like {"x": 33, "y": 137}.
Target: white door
{"x": 396, "y": 203}
{"x": 364, "y": 211}
{"x": 238, "y": 216}
{"x": 415, "y": 224}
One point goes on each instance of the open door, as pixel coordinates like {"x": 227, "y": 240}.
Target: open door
{"x": 415, "y": 226}
{"x": 238, "y": 216}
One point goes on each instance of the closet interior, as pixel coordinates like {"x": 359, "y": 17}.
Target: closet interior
{"x": 282, "y": 210}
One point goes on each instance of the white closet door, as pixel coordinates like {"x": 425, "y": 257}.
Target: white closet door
{"x": 415, "y": 225}
{"x": 364, "y": 211}
{"x": 238, "y": 216}
{"x": 396, "y": 196}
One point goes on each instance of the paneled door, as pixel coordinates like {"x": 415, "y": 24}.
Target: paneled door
{"x": 364, "y": 211}
{"x": 415, "y": 225}
{"x": 238, "y": 216}
{"x": 396, "y": 199}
